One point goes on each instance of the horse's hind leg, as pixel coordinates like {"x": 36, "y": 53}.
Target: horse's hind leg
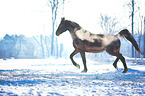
{"x": 124, "y": 63}
{"x": 71, "y": 57}
{"x": 118, "y": 55}
{"x": 84, "y": 61}
{"x": 115, "y": 63}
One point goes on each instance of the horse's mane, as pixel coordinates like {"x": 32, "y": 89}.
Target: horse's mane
{"x": 74, "y": 24}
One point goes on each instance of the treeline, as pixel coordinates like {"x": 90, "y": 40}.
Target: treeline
{"x": 20, "y": 46}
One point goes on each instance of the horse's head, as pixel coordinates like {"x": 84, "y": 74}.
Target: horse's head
{"x": 63, "y": 26}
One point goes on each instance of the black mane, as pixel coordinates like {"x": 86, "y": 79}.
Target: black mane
{"x": 74, "y": 24}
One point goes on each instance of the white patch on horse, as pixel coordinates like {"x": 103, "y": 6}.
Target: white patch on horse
{"x": 108, "y": 39}
{"x": 81, "y": 34}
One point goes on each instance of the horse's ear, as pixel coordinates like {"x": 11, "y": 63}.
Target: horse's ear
{"x": 63, "y": 19}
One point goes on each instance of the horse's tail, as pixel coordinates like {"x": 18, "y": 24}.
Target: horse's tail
{"x": 125, "y": 33}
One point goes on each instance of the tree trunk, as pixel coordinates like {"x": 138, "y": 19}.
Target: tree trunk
{"x": 54, "y": 9}
{"x": 41, "y": 40}
{"x": 52, "y": 39}
{"x": 40, "y": 44}
{"x": 46, "y": 44}
{"x": 144, "y": 37}
{"x": 132, "y": 25}
{"x": 16, "y": 56}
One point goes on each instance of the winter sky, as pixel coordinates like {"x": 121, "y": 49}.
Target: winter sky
{"x": 31, "y": 17}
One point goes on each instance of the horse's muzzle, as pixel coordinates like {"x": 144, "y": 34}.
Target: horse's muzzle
{"x": 57, "y": 34}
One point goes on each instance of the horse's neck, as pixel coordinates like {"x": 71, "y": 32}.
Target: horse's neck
{"x": 73, "y": 29}
{"x": 73, "y": 33}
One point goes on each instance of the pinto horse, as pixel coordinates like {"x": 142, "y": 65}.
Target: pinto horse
{"x": 85, "y": 41}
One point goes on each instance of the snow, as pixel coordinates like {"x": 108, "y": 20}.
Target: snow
{"x": 58, "y": 77}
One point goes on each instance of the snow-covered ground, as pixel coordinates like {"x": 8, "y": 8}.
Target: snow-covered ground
{"x": 58, "y": 77}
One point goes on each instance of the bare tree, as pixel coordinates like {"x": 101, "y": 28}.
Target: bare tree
{"x": 132, "y": 24}
{"x": 139, "y": 27}
{"x": 40, "y": 43}
{"x": 144, "y": 38}
{"x": 108, "y": 23}
{"x": 130, "y": 4}
{"x": 54, "y": 5}
{"x": 136, "y": 19}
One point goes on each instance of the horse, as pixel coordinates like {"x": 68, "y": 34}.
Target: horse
{"x": 85, "y": 41}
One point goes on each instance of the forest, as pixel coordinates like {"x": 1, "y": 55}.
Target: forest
{"x": 22, "y": 47}
{"x": 14, "y": 46}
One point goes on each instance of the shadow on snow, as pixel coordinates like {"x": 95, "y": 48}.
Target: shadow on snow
{"x": 131, "y": 75}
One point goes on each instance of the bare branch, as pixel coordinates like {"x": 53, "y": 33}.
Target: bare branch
{"x": 108, "y": 23}
{"x": 36, "y": 41}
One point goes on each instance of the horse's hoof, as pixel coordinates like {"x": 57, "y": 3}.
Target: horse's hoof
{"x": 78, "y": 66}
{"x": 125, "y": 70}
{"x": 84, "y": 71}
{"x": 115, "y": 67}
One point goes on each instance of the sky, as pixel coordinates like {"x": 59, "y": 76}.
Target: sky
{"x": 33, "y": 17}
{"x": 26, "y": 17}
{"x": 87, "y": 13}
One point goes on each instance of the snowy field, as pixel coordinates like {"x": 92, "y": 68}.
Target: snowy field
{"x": 58, "y": 77}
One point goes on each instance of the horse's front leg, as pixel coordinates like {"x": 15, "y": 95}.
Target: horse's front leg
{"x": 71, "y": 57}
{"x": 84, "y": 61}
{"x": 115, "y": 63}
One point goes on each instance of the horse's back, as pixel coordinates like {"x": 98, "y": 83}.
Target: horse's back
{"x": 94, "y": 43}
{"x": 110, "y": 39}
